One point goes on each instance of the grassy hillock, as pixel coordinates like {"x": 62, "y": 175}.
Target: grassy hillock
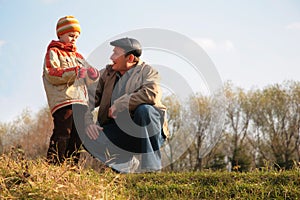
{"x": 35, "y": 179}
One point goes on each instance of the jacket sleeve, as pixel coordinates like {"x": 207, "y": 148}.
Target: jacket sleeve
{"x": 58, "y": 72}
{"x": 148, "y": 92}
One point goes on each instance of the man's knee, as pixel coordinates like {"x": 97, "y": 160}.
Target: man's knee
{"x": 143, "y": 110}
{"x": 146, "y": 113}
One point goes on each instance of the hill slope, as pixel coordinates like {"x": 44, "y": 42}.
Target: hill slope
{"x": 25, "y": 179}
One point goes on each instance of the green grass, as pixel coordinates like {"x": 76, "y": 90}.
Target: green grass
{"x": 35, "y": 179}
{"x": 215, "y": 185}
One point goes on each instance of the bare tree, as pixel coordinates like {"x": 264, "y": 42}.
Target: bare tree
{"x": 174, "y": 112}
{"x": 278, "y": 120}
{"x": 238, "y": 115}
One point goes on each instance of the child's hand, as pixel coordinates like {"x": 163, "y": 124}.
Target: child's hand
{"x": 93, "y": 73}
{"x": 82, "y": 72}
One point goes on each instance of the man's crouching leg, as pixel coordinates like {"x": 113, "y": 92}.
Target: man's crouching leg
{"x": 151, "y": 137}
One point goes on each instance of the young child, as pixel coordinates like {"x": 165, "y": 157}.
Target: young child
{"x": 65, "y": 78}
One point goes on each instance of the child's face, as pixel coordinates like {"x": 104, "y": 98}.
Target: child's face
{"x": 70, "y": 37}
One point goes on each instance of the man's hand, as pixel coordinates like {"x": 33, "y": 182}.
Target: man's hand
{"x": 112, "y": 112}
{"x": 93, "y": 131}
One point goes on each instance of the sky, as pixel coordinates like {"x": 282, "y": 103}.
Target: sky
{"x": 251, "y": 43}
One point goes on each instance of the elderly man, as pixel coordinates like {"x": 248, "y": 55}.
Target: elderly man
{"x": 131, "y": 125}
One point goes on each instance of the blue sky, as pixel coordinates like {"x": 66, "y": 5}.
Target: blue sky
{"x": 252, "y": 43}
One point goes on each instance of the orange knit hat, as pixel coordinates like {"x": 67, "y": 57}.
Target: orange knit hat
{"x": 67, "y": 24}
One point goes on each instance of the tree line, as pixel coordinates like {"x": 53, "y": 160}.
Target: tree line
{"x": 241, "y": 130}
{"x": 261, "y": 128}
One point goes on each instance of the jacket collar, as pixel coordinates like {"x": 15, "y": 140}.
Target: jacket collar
{"x": 62, "y": 46}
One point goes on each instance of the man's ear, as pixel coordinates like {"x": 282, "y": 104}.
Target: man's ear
{"x": 130, "y": 58}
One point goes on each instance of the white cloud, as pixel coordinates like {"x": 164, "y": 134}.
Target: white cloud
{"x": 227, "y": 45}
{"x": 206, "y": 43}
{"x": 209, "y": 44}
{"x": 293, "y": 26}
{"x": 2, "y": 42}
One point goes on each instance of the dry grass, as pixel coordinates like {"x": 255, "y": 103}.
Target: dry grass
{"x": 21, "y": 178}
{"x": 35, "y": 179}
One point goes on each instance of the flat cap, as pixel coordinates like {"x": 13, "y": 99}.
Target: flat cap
{"x": 130, "y": 45}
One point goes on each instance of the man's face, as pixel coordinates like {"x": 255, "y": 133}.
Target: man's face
{"x": 119, "y": 60}
{"x": 70, "y": 37}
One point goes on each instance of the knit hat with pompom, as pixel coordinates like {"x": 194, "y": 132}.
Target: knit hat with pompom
{"x": 67, "y": 24}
